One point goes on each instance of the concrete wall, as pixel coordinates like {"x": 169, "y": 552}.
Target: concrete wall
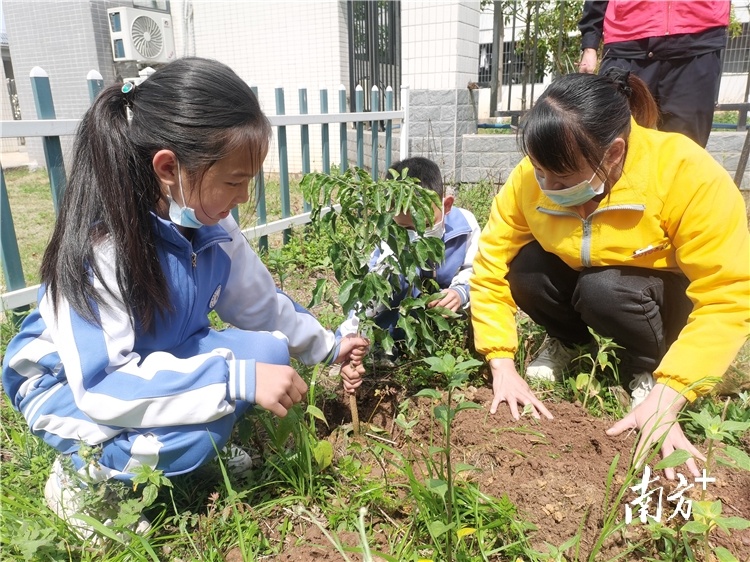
{"x": 493, "y": 157}
{"x": 438, "y": 121}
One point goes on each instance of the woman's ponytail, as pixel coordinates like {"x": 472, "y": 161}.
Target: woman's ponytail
{"x": 642, "y": 104}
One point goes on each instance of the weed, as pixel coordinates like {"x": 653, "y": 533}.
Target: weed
{"x": 587, "y": 385}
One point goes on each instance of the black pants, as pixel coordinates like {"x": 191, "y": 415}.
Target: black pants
{"x": 685, "y": 90}
{"x": 642, "y": 310}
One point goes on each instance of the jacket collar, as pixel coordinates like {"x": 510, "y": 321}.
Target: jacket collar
{"x": 455, "y": 224}
{"x": 168, "y": 231}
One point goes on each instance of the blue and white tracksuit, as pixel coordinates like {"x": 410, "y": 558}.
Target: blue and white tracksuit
{"x": 168, "y": 397}
{"x": 461, "y": 239}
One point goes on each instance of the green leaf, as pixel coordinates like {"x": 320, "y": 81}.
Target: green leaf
{"x": 429, "y": 393}
{"x": 319, "y": 292}
{"x": 437, "y": 486}
{"x": 735, "y": 426}
{"x": 733, "y": 523}
{"x": 740, "y": 457}
{"x": 678, "y": 457}
{"x": 345, "y": 291}
{"x": 468, "y": 406}
{"x": 695, "y": 527}
{"x": 443, "y": 414}
{"x": 441, "y": 323}
{"x": 723, "y": 555}
{"x": 323, "y": 453}
{"x": 406, "y": 325}
{"x": 438, "y": 528}
{"x": 464, "y": 366}
{"x": 463, "y": 467}
{"x": 582, "y": 381}
{"x": 150, "y": 493}
{"x": 317, "y": 413}
{"x": 437, "y": 364}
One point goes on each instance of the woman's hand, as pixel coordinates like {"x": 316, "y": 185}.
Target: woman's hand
{"x": 508, "y": 386}
{"x": 278, "y": 388}
{"x": 655, "y": 417}
{"x": 352, "y": 349}
{"x": 588, "y": 61}
{"x": 450, "y": 300}
{"x": 351, "y": 375}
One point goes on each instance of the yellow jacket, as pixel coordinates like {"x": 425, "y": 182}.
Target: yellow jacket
{"x": 673, "y": 198}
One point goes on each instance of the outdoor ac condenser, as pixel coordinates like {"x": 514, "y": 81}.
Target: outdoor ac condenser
{"x": 141, "y": 35}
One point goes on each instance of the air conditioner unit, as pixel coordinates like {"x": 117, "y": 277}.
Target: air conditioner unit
{"x": 141, "y": 35}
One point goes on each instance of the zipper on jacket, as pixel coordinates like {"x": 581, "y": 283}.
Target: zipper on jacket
{"x": 194, "y": 258}
{"x": 586, "y": 225}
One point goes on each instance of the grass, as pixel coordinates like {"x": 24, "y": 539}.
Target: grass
{"x": 302, "y": 480}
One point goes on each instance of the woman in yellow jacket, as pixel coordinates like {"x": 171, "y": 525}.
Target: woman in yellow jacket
{"x": 637, "y": 234}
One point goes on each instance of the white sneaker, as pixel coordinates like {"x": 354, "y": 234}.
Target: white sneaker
{"x": 65, "y": 496}
{"x": 552, "y": 359}
{"x": 640, "y": 387}
{"x": 236, "y": 459}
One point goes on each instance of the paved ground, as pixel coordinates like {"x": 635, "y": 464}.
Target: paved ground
{"x": 16, "y": 160}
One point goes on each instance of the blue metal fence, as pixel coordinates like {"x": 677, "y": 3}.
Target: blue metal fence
{"x": 51, "y": 129}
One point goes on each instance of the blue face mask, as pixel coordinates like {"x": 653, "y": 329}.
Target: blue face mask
{"x": 182, "y": 216}
{"x": 572, "y": 196}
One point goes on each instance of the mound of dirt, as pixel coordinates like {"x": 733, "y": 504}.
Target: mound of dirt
{"x": 554, "y": 471}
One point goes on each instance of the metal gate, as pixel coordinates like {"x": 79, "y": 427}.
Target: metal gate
{"x": 375, "y": 48}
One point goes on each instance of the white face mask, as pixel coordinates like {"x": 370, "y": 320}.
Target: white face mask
{"x": 437, "y": 230}
{"x": 572, "y": 196}
{"x": 182, "y": 216}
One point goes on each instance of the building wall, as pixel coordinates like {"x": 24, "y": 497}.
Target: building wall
{"x": 66, "y": 38}
{"x": 275, "y": 44}
{"x": 439, "y": 41}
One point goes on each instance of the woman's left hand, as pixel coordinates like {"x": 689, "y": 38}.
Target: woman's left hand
{"x": 352, "y": 349}
{"x": 656, "y": 417}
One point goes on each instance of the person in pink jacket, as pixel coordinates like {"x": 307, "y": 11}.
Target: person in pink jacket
{"x": 673, "y": 46}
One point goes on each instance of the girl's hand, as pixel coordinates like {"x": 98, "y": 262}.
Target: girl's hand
{"x": 508, "y": 386}
{"x": 278, "y": 388}
{"x": 352, "y": 349}
{"x": 351, "y": 375}
{"x": 656, "y": 417}
{"x": 451, "y": 300}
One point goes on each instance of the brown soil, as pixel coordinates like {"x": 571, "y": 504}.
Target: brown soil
{"x": 555, "y": 472}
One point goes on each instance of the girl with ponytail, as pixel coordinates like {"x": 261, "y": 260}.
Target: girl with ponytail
{"x": 609, "y": 226}
{"x": 120, "y": 355}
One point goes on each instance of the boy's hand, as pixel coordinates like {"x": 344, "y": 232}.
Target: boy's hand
{"x": 451, "y": 300}
{"x": 352, "y": 349}
{"x": 351, "y": 375}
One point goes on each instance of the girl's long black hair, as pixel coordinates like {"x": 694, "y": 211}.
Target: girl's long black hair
{"x": 579, "y": 115}
{"x": 197, "y": 108}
